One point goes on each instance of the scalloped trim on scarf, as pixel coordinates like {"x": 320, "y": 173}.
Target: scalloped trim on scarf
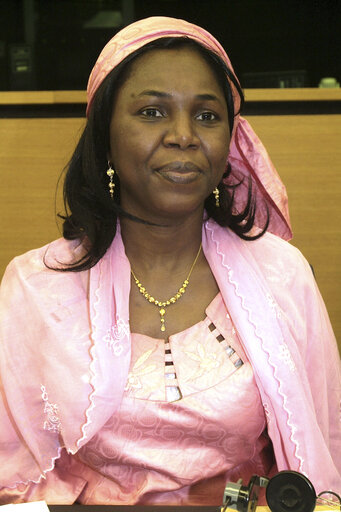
{"x": 93, "y": 356}
{"x": 42, "y": 476}
{"x": 258, "y": 335}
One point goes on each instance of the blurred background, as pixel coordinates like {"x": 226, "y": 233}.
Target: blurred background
{"x": 52, "y": 44}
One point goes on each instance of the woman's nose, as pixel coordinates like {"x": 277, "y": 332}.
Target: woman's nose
{"x": 181, "y": 133}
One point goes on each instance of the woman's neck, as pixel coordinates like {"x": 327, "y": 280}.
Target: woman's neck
{"x": 170, "y": 247}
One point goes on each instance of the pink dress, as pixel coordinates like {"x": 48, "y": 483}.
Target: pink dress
{"x": 191, "y": 418}
{"x": 65, "y": 358}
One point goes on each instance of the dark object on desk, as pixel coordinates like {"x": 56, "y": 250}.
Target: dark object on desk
{"x": 290, "y": 491}
{"x": 243, "y": 498}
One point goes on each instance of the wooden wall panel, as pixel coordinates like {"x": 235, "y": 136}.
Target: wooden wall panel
{"x": 33, "y": 153}
{"x": 305, "y": 149}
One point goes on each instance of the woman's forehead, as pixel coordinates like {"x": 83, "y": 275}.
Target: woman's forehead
{"x": 172, "y": 68}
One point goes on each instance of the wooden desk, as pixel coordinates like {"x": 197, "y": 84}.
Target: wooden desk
{"x": 140, "y": 508}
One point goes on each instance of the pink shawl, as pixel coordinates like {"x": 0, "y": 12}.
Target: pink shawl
{"x": 65, "y": 352}
{"x": 247, "y": 155}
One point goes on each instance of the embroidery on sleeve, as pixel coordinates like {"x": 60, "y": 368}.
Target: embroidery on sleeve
{"x": 114, "y": 336}
{"x": 273, "y": 305}
{"x": 52, "y": 421}
{"x": 285, "y": 355}
{"x": 279, "y": 272}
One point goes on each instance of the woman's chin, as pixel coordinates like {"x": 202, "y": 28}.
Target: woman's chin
{"x": 180, "y": 210}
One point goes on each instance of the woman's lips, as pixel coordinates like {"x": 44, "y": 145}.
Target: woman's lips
{"x": 179, "y": 172}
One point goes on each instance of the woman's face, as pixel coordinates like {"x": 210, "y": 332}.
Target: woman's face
{"x": 169, "y": 135}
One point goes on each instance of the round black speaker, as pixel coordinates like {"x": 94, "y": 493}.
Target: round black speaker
{"x": 289, "y": 491}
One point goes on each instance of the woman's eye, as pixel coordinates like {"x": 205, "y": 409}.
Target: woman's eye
{"x": 151, "y": 112}
{"x": 207, "y": 116}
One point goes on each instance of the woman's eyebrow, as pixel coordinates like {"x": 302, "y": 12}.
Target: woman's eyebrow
{"x": 151, "y": 92}
{"x": 209, "y": 97}
{"x": 162, "y": 94}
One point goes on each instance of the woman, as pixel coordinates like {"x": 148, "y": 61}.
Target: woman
{"x": 167, "y": 343}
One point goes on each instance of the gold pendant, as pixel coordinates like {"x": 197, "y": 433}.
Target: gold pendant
{"x": 162, "y": 312}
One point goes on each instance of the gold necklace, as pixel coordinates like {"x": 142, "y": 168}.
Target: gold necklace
{"x": 163, "y": 304}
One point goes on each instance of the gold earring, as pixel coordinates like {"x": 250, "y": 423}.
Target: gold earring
{"x": 110, "y": 173}
{"x": 216, "y": 195}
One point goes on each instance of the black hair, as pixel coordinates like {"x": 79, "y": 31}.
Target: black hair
{"x": 90, "y": 213}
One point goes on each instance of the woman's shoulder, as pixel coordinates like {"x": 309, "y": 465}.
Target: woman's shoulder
{"x": 280, "y": 261}
{"x": 32, "y": 287}
{"x": 36, "y": 273}
{"x": 286, "y": 272}
{"x": 48, "y": 259}
{"x": 273, "y": 245}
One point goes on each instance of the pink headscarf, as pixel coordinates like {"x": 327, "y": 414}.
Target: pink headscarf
{"x": 247, "y": 155}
